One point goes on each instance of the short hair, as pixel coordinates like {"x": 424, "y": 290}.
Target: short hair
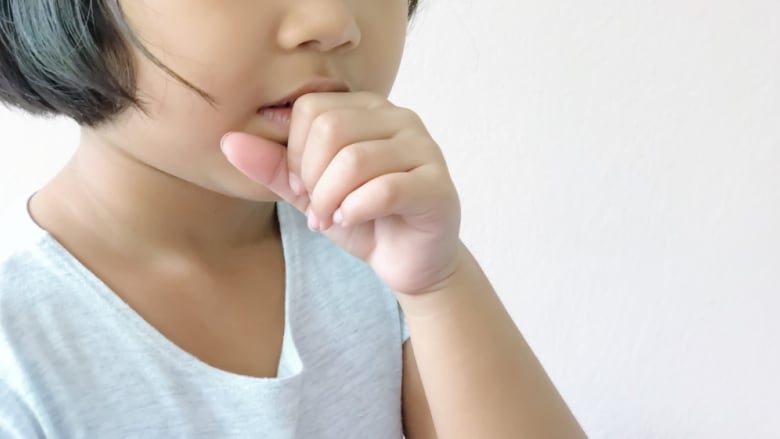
{"x": 73, "y": 58}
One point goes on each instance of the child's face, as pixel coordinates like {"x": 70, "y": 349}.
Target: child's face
{"x": 244, "y": 53}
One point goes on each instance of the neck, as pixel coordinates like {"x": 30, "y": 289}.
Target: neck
{"x": 147, "y": 211}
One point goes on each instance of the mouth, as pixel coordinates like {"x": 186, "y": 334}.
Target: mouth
{"x": 281, "y": 105}
{"x": 279, "y": 112}
{"x": 279, "y": 115}
{"x": 314, "y": 86}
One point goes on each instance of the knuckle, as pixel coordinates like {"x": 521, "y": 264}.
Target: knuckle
{"x": 327, "y": 126}
{"x": 306, "y": 108}
{"x": 373, "y": 99}
{"x": 410, "y": 116}
{"x": 385, "y": 191}
{"x": 306, "y": 105}
{"x": 353, "y": 158}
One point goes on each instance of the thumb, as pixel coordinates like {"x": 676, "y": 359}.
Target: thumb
{"x": 262, "y": 161}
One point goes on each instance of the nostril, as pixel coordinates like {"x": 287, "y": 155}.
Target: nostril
{"x": 321, "y": 28}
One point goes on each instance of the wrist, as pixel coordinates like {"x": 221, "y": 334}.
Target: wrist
{"x": 465, "y": 280}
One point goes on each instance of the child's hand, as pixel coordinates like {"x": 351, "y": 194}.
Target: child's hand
{"x": 368, "y": 175}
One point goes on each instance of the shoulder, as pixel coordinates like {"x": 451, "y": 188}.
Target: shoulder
{"x": 18, "y": 232}
{"x": 33, "y": 277}
{"x": 21, "y": 306}
{"x": 28, "y": 258}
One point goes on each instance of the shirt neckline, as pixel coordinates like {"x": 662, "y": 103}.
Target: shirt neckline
{"x": 289, "y": 368}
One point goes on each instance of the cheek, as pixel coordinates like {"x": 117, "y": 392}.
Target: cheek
{"x": 177, "y": 113}
{"x": 385, "y": 36}
{"x": 211, "y": 47}
{"x": 381, "y": 59}
{"x": 190, "y": 153}
{"x": 179, "y": 131}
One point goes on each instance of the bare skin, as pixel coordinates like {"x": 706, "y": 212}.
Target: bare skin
{"x": 153, "y": 198}
{"x": 171, "y": 220}
{"x": 228, "y": 297}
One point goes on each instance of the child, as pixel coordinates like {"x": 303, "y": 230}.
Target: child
{"x": 225, "y": 254}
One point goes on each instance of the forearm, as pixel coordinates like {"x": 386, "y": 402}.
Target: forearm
{"x": 479, "y": 375}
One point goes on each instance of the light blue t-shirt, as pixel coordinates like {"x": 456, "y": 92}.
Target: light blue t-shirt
{"x": 77, "y": 362}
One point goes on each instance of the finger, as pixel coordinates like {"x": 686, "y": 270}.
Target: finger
{"x": 408, "y": 194}
{"x": 333, "y": 130}
{"x": 308, "y": 107}
{"x": 264, "y": 162}
{"x": 354, "y": 166}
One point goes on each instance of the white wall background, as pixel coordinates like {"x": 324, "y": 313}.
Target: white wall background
{"x": 619, "y": 165}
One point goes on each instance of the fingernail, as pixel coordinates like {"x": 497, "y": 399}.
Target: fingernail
{"x": 222, "y": 141}
{"x": 313, "y": 222}
{"x": 296, "y": 185}
{"x": 337, "y": 216}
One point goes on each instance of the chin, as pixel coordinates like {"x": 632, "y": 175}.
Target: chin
{"x": 235, "y": 185}
{"x": 255, "y": 193}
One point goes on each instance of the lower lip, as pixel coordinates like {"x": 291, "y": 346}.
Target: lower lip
{"x": 279, "y": 116}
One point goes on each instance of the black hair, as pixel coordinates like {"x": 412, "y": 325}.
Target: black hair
{"x": 72, "y": 58}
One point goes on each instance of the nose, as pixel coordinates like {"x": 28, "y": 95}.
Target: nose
{"x": 322, "y": 25}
